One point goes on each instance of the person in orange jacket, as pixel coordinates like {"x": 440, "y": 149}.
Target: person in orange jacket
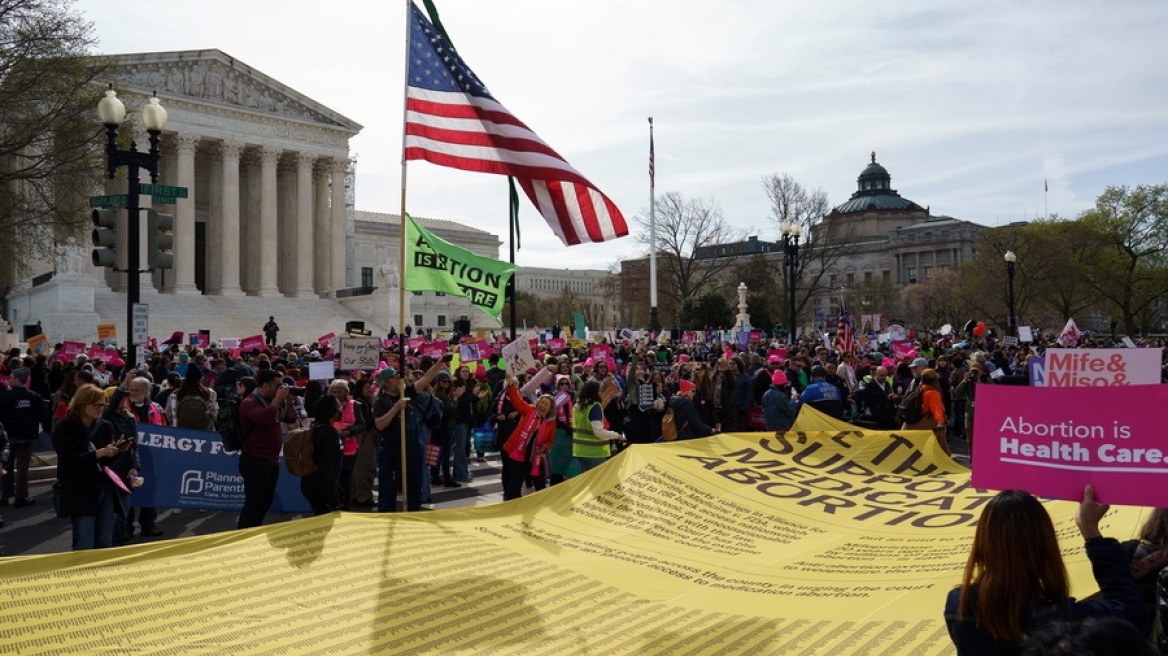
{"x": 933, "y": 410}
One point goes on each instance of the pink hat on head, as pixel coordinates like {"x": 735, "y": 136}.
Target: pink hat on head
{"x": 887, "y": 363}
{"x": 590, "y": 362}
{"x": 683, "y": 358}
{"x": 774, "y": 359}
{"x": 686, "y": 386}
{"x": 779, "y": 378}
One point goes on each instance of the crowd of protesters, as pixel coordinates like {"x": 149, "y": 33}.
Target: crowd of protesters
{"x": 566, "y": 415}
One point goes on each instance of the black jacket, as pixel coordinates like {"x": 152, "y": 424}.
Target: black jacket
{"x": 78, "y": 467}
{"x": 1120, "y": 598}
{"x": 22, "y": 411}
{"x": 685, "y": 417}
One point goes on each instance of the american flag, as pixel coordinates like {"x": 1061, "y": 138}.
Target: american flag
{"x": 652, "y": 170}
{"x": 845, "y": 333}
{"x": 452, "y": 120}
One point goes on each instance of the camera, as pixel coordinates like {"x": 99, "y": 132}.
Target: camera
{"x": 295, "y": 391}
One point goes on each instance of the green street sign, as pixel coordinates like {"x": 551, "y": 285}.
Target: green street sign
{"x": 163, "y": 193}
{"x": 115, "y": 200}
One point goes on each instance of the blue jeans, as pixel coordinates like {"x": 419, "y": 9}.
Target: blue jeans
{"x": 459, "y": 445}
{"x": 96, "y": 531}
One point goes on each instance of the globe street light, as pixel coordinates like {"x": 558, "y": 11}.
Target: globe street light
{"x": 1012, "y": 322}
{"x": 790, "y": 232}
{"x": 112, "y": 112}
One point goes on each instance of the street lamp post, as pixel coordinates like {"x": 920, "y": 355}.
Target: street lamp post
{"x": 790, "y": 232}
{"x": 111, "y": 111}
{"x": 1012, "y": 322}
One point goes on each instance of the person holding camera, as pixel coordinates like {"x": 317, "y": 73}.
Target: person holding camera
{"x": 260, "y": 415}
{"x": 86, "y": 445}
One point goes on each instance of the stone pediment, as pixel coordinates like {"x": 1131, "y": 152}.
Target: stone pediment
{"x": 213, "y": 77}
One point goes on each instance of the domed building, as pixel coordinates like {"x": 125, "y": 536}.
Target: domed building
{"x": 883, "y": 241}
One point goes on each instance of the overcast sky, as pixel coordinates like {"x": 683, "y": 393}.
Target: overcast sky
{"x": 970, "y": 106}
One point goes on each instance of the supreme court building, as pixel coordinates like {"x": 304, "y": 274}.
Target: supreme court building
{"x": 268, "y": 228}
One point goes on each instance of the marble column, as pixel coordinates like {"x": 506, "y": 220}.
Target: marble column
{"x": 266, "y": 248}
{"x": 304, "y": 246}
{"x": 286, "y": 225}
{"x": 249, "y": 219}
{"x": 182, "y": 280}
{"x": 321, "y": 231}
{"x": 213, "y": 262}
{"x": 229, "y": 234}
{"x": 339, "y": 220}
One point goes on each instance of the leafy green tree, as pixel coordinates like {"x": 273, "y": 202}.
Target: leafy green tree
{"x": 1133, "y": 273}
{"x": 712, "y": 310}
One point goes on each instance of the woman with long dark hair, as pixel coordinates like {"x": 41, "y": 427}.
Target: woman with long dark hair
{"x": 1015, "y": 579}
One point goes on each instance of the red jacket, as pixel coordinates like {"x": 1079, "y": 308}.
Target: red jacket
{"x": 530, "y": 423}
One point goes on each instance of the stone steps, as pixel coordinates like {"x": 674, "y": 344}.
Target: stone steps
{"x": 235, "y": 317}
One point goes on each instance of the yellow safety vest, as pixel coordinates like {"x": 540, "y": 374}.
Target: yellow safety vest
{"x": 585, "y": 444}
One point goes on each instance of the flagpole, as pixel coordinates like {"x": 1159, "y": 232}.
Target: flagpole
{"x": 654, "y": 320}
{"x": 1045, "y": 203}
{"x": 401, "y": 292}
{"x": 512, "y": 218}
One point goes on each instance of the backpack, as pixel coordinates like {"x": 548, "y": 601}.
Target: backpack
{"x": 191, "y": 412}
{"x": 433, "y": 416}
{"x": 298, "y": 453}
{"x": 911, "y": 407}
{"x": 669, "y": 429}
{"x": 228, "y": 423}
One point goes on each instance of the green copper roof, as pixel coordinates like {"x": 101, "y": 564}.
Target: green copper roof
{"x": 874, "y": 192}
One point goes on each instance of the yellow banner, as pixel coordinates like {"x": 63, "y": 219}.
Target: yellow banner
{"x": 107, "y": 331}
{"x": 830, "y": 542}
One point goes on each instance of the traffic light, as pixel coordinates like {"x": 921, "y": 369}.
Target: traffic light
{"x": 105, "y": 238}
{"x": 159, "y": 240}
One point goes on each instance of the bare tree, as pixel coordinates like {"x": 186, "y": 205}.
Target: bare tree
{"x": 687, "y": 232}
{"x": 49, "y": 144}
{"x": 823, "y": 245}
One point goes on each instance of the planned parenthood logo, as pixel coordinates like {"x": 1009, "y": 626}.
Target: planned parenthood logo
{"x": 211, "y": 488}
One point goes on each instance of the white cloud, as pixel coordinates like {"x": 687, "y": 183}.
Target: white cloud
{"x": 969, "y": 105}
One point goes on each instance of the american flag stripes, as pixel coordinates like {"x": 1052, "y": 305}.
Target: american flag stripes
{"x": 845, "y": 334}
{"x": 452, "y": 120}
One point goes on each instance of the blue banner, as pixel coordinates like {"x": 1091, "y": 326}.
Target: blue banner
{"x": 186, "y": 468}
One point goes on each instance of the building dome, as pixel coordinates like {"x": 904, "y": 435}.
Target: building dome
{"x": 874, "y": 192}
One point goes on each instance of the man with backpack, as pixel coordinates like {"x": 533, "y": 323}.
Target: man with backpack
{"x": 923, "y": 409}
{"x": 260, "y": 415}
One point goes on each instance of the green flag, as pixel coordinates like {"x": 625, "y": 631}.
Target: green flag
{"x": 433, "y": 265}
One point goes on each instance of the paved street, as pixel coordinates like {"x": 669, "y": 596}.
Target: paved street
{"x": 34, "y": 529}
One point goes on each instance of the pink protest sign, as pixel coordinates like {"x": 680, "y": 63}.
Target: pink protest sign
{"x": 600, "y": 351}
{"x": 533, "y": 344}
{"x": 902, "y": 348}
{"x": 755, "y": 335}
{"x": 70, "y": 350}
{"x": 250, "y": 343}
{"x": 325, "y": 340}
{"x": 434, "y": 349}
{"x": 1102, "y": 367}
{"x": 780, "y": 353}
{"x": 1053, "y": 441}
{"x": 415, "y": 343}
{"x": 485, "y": 350}
{"x": 556, "y": 344}
{"x": 106, "y": 354}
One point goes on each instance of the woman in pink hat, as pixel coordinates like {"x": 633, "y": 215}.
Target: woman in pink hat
{"x": 685, "y": 414}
